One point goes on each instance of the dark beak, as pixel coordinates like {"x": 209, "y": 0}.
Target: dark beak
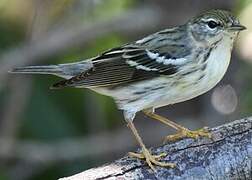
{"x": 237, "y": 27}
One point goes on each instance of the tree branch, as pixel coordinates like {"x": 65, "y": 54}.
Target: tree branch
{"x": 228, "y": 155}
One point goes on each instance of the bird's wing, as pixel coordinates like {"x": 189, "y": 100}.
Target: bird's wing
{"x": 129, "y": 63}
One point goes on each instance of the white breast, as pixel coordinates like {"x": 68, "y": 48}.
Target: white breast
{"x": 216, "y": 68}
{"x": 218, "y": 63}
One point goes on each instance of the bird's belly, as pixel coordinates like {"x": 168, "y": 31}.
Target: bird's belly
{"x": 163, "y": 91}
{"x": 170, "y": 92}
{"x": 157, "y": 93}
{"x": 187, "y": 91}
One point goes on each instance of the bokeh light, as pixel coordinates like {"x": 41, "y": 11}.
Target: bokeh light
{"x": 224, "y": 99}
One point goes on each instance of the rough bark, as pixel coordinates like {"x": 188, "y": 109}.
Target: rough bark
{"x": 228, "y": 155}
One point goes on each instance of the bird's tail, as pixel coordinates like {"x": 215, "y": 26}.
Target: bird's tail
{"x": 50, "y": 69}
{"x": 62, "y": 70}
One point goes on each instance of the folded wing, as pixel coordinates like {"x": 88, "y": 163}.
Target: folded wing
{"x": 126, "y": 64}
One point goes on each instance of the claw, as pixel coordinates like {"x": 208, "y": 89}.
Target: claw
{"x": 151, "y": 159}
{"x": 185, "y": 133}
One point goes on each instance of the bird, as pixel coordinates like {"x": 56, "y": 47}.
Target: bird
{"x": 167, "y": 67}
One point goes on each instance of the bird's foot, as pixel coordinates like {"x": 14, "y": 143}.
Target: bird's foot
{"x": 151, "y": 159}
{"x": 186, "y": 133}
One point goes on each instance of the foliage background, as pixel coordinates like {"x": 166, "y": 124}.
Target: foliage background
{"x": 47, "y": 134}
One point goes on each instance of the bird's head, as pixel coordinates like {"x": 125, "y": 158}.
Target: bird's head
{"x": 213, "y": 26}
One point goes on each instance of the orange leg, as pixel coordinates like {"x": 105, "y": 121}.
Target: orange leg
{"x": 146, "y": 154}
{"x": 182, "y": 131}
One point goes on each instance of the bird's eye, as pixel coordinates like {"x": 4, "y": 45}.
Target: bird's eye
{"x": 212, "y": 24}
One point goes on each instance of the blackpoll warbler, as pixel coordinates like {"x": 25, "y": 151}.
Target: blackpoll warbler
{"x": 170, "y": 66}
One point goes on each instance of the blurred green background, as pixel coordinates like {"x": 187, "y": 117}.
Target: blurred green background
{"x": 48, "y": 134}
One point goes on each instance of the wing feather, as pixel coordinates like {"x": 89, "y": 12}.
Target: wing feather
{"x": 123, "y": 65}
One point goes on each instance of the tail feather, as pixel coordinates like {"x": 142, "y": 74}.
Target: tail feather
{"x": 51, "y": 69}
{"x": 66, "y": 71}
